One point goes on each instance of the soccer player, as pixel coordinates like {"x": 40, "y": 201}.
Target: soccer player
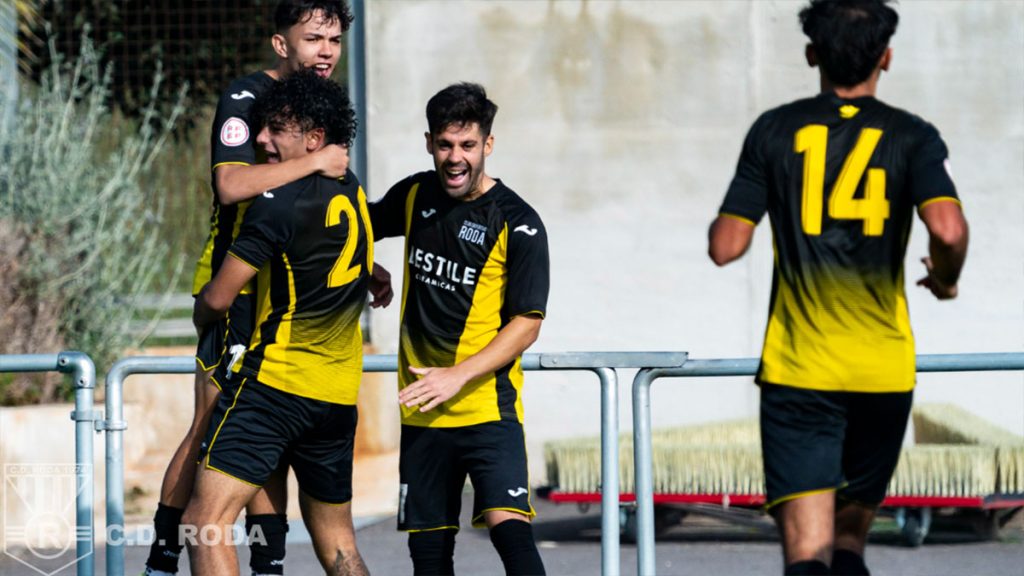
{"x": 311, "y": 244}
{"x": 840, "y": 176}
{"x": 473, "y": 298}
{"x": 308, "y": 35}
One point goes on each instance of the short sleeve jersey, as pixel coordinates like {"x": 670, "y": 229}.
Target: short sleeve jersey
{"x": 470, "y": 267}
{"x": 312, "y": 245}
{"x": 839, "y": 179}
{"x": 232, "y": 141}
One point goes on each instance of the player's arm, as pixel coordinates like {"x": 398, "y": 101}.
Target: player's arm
{"x": 380, "y": 287}
{"x": 239, "y": 182}
{"x": 729, "y": 238}
{"x": 437, "y": 385}
{"x": 947, "y": 247}
{"x": 216, "y": 297}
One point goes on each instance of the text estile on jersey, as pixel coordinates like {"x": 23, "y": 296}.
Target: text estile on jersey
{"x": 441, "y": 267}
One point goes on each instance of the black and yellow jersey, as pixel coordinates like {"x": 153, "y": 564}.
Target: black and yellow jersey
{"x": 840, "y": 179}
{"x": 470, "y": 267}
{"x": 232, "y": 141}
{"x": 312, "y": 244}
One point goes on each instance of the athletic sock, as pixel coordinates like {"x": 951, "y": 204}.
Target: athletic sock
{"x": 267, "y": 534}
{"x": 807, "y": 568}
{"x": 432, "y": 552}
{"x": 166, "y": 548}
{"x": 513, "y": 539}
{"x": 848, "y": 563}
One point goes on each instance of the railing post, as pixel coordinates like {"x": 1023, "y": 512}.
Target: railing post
{"x": 609, "y": 471}
{"x": 642, "y": 471}
{"x": 83, "y": 371}
{"x": 115, "y": 427}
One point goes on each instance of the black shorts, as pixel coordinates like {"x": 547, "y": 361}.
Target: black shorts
{"x": 434, "y": 463}
{"x": 259, "y": 428}
{"x": 814, "y": 441}
{"x": 214, "y": 351}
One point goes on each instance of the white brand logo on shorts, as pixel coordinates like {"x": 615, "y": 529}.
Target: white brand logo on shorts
{"x": 234, "y": 132}
{"x": 243, "y": 95}
{"x": 526, "y": 230}
{"x": 403, "y": 491}
{"x": 517, "y": 492}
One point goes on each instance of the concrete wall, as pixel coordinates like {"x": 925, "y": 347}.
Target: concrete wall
{"x": 621, "y": 122}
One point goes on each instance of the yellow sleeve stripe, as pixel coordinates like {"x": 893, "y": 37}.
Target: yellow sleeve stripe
{"x": 219, "y": 164}
{"x": 530, "y": 312}
{"x": 940, "y": 199}
{"x": 740, "y": 218}
{"x": 242, "y": 260}
{"x": 206, "y": 368}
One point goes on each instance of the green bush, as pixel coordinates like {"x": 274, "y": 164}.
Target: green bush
{"x": 78, "y": 241}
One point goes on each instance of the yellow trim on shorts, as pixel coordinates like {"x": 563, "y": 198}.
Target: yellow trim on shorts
{"x": 218, "y": 165}
{"x": 229, "y": 475}
{"x": 204, "y": 367}
{"x": 213, "y": 440}
{"x": 478, "y": 521}
{"x": 796, "y": 495}
{"x": 324, "y": 502}
{"x": 411, "y": 530}
{"x": 740, "y": 218}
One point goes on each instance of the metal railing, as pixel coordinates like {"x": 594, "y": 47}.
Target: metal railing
{"x": 603, "y": 364}
{"x": 642, "y": 460}
{"x": 83, "y": 372}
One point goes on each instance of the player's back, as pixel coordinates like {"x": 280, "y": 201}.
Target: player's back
{"x": 842, "y": 178}
{"x": 312, "y": 286}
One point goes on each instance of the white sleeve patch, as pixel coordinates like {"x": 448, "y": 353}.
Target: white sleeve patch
{"x": 949, "y": 168}
{"x": 234, "y": 132}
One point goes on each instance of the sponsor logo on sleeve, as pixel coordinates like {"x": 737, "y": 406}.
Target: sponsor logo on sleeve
{"x": 234, "y": 132}
{"x": 243, "y": 95}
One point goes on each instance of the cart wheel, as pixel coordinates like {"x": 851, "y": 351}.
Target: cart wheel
{"x": 627, "y": 524}
{"x": 989, "y": 524}
{"x": 914, "y": 524}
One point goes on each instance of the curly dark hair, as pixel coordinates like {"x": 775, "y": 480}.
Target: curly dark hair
{"x": 310, "y": 102}
{"x": 849, "y": 36}
{"x": 461, "y": 104}
{"x": 291, "y": 12}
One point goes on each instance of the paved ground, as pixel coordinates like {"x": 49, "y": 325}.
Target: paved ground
{"x": 706, "y": 542}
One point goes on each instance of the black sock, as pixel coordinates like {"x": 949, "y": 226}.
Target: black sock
{"x": 513, "y": 539}
{"x": 848, "y": 563}
{"x": 807, "y": 568}
{"x": 166, "y": 548}
{"x": 267, "y": 543}
{"x": 432, "y": 552}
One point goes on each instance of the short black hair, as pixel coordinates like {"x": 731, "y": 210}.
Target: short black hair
{"x": 461, "y": 104}
{"x": 309, "y": 101}
{"x": 291, "y": 12}
{"x": 849, "y": 36}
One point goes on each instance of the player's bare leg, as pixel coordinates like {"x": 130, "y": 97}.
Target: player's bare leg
{"x": 334, "y": 538}
{"x": 266, "y": 523}
{"x": 853, "y": 520}
{"x": 806, "y": 525}
{"x": 209, "y": 521}
{"x": 512, "y": 536}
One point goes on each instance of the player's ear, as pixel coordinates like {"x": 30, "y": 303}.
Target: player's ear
{"x": 488, "y": 144}
{"x": 314, "y": 139}
{"x": 811, "y": 55}
{"x": 280, "y": 45}
{"x": 430, "y": 143}
{"x": 886, "y": 60}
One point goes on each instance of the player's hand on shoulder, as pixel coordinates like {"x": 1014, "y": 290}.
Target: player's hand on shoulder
{"x": 435, "y": 386}
{"x": 333, "y": 160}
{"x": 938, "y": 288}
{"x": 380, "y": 287}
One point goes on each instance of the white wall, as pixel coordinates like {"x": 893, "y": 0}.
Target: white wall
{"x": 621, "y": 121}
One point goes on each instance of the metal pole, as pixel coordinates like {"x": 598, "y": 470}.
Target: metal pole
{"x": 609, "y": 471}
{"x": 357, "y": 88}
{"x": 114, "y": 426}
{"x": 9, "y": 62}
{"x": 83, "y": 371}
{"x": 645, "y": 564}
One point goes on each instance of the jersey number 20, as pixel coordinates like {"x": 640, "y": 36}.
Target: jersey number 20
{"x": 873, "y": 208}
{"x": 343, "y": 271}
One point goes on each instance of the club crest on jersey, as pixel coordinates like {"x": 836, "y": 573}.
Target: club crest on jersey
{"x": 234, "y": 132}
{"x": 472, "y": 232}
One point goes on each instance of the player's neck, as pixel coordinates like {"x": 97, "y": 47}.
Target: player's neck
{"x": 866, "y": 88}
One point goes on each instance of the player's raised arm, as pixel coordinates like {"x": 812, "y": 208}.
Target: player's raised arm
{"x": 240, "y": 182}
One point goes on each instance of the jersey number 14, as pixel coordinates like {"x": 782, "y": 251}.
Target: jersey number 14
{"x": 873, "y": 208}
